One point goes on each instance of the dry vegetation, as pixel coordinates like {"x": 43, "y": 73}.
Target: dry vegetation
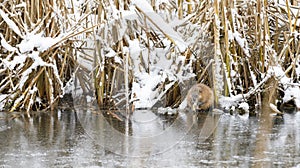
{"x": 34, "y": 78}
{"x": 233, "y": 46}
{"x": 250, "y": 39}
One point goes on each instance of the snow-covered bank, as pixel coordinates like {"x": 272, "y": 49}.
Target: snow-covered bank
{"x": 152, "y": 48}
{"x": 290, "y": 90}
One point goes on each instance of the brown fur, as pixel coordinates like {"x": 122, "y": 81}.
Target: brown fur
{"x": 200, "y": 97}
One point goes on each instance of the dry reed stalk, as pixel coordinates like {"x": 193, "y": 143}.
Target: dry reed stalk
{"x": 43, "y": 84}
{"x": 251, "y": 41}
{"x": 248, "y": 37}
{"x": 190, "y": 7}
{"x": 107, "y": 83}
{"x": 217, "y": 53}
{"x": 180, "y": 9}
{"x": 226, "y": 52}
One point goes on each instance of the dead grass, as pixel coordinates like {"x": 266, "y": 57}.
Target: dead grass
{"x": 29, "y": 86}
{"x": 232, "y": 47}
{"x": 249, "y": 39}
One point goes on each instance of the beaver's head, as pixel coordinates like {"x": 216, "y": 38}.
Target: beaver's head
{"x": 200, "y": 97}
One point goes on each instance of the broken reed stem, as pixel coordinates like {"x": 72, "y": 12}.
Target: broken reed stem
{"x": 43, "y": 84}
{"x": 157, "y": 26}
{"x": 234, "y": 27}
{"x": 254, "y": 37}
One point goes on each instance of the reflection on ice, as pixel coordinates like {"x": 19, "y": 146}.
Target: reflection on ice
{"x": 88, "y": 138}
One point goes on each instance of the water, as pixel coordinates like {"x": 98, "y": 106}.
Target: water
{"x": 87, "y": 138}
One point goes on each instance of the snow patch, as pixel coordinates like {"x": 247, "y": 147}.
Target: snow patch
{"x": 157, "y": 20}
{"x": 229, "y": 103}
{"x": 2, "y": 102}
{"x": 167, "y": 110}
{"x": 10, "y": 23}
{"x": 292, "y": 93}
{"x": 244, "y": 106}
{"x": 37, "y": 41}
{"x": 6, "y": 45}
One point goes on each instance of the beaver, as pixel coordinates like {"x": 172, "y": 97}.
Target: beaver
{"x": 200, "y": 97}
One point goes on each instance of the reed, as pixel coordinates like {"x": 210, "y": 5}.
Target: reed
{"x": 113, "y": 80}
{"x": 250, "y": 38}
{"x": 34, "y": 78}
{"x": 232, "y": 46}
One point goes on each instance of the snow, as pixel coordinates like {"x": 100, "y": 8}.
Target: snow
{"x": 6, "y": 45}
{"x": 244, "y": 106}
{"x": 242, "y": 43}
{"x": 298, "y": 70}
{"x": 158, "y": 21}
{"x": 2, "y": 101}
{"x": 219, "y": 85}
{"x": 144, "y": 90}
{"x": 37, "y": 61}
{"x": 276, "y": 71}
{"x": 230, "y": 102}
{"x": 111, "y": 53}
{"x": 37, "y": 41}
{"x": 167, "y": 110}
{"x": 291, "y": 90}
{"x": 19, "y": 59}
{"x": 10, "y": 23}
{"x": 147, "y": 86}
{"x": 134, "y": 47}
{"x": 21, "y": 5}
{"x": 292, "y": 93}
